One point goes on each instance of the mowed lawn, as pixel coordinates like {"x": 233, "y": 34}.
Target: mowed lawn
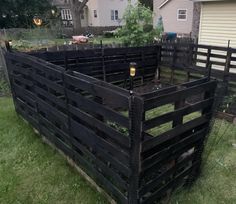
{"x": 31, "y": 172}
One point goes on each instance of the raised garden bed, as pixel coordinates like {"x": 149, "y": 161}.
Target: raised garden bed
{"x": 138, "y": 146}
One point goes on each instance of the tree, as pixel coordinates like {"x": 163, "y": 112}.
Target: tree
{"x": 138, "y": 29}
{"x": 20, "y": 13}
{"x": 76, "y": 8}
{"x": 147, "y": 3}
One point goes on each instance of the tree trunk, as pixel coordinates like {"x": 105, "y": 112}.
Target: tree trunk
{"x": 76, "y": 8}
{"x": 76, "y": 21}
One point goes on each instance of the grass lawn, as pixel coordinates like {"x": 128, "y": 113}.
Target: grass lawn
{"x": 31, "y": 172}
{"x": 35, "y": 44}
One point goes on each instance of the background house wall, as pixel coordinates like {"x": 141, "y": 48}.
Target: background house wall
{"x": 104, "y": 8}
{"x": 169, "y": 15}
{"x": 218, "y": 23}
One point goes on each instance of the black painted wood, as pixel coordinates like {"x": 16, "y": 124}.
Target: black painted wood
{"x": 76, "y": 100}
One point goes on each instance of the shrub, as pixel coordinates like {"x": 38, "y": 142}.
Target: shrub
{"x": 138, "y": 29}
{"x": 4, "y": 88}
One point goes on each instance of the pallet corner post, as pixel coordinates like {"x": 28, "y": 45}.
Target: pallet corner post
{"x": 136, "y": 117}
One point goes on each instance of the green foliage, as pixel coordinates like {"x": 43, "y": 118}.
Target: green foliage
{"x": 4, "y": 88}
{"x": 20, "y": 13}
{"x": 217, "y": 181}
{"x": 147, "y": 3}
{"x": 160, "y": 26}
{"x": 138, "y": 29}
{"x": 227, "y": 102}
{"x": 120, "y": 129}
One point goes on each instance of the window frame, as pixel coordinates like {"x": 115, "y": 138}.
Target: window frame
{"x": 179, "y": 19}
{"x": 66, "y": 14}
{"x": 114, "y": 15}
{"x": 95, "y": 13}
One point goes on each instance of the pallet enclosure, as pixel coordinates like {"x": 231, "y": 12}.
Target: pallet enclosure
{"x": 137, "y": 147}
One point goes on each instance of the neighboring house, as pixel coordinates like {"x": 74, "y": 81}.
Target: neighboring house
{"x": 177, "y": 15}
{"x": 97, "y": 13}
{"x": 106, "y": 12}
{"x": 217, "y": 22}
{"x": 66, "y": 16}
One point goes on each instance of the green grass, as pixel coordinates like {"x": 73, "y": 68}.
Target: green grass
{"x": 217, "y": 183}
{"x": 31, "y": 172}
{"x": 4, "y": 88}
{"x": 111, "y": 40}
{"x": 35, "y": 44}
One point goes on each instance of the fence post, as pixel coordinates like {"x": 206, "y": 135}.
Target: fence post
{"x": 136, "y": 117}
{"x": 208, "y": 112}
{"x": 190, "y": 57}
{"x": 103, "y": 64}
{"x": 173, "y": 63}
{"x": 195, "y": 50}
{"x": 158, "y": 61}
{"x": 208, "y": 57}
{"x": 226, "y": 70}
{"x": 65, "y": 58}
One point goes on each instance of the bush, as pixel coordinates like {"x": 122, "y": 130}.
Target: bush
{"x": 138, "y": 29}
{"x": 4, "y": 88}
{"x": 109, "y": 34}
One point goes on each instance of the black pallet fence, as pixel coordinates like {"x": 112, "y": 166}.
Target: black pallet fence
{"x": 175, "y": 61}
{"x": 121, "y": 140}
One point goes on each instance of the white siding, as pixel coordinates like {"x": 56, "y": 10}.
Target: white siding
{"x": 103, "y": 8}
{"x": 169, "y": 15}
{"x": 218, "y": 23}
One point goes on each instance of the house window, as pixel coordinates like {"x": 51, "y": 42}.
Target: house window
{"x": 66, "y": 14}
{"x": 114, "y": 15}
{"x": 182, "y": 15}
{"x": 95, "y": 14}
{"x": 66, "y": 17}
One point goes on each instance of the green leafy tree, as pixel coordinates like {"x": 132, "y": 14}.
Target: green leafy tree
{"x": 147, "y": 3}
{"x": 138, "y": 29}
{"x": 20, "y": 13}
{"x": 159, "y": 27}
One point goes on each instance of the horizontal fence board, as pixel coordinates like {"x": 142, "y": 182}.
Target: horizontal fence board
{"x": 96, "y": 175}
{"x": 157, "y": 182}
{"x": 92, "y": 140}
{"x": 106, "y": 170}
{"x": 172, "y": 149}
{"x": 54, "y": 99}
{"x": 178, "y": 95}
{"x": 91, "y": 106}
{"x": 171, "y": 184}
{"x": 117, "y": 137}
{"x": 54, "y": 130}
{"x": 148, "y": 124}
{"x": 60, "y": 115}
{"x": 149, "y": 144}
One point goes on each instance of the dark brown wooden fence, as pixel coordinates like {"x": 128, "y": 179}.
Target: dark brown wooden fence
{"x": 194, "y": 59}
{"x": 137, "y": 146}
{"x": 109, "y": 64}
{"x": 198, "y": 60}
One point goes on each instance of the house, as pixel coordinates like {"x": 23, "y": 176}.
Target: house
{"x": 96, "y": 13}
{"x": 177, "y": 15}
{"x": 217, "y": 22}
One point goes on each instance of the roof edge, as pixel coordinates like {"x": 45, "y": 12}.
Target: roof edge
{"x": 164, "y": 3}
